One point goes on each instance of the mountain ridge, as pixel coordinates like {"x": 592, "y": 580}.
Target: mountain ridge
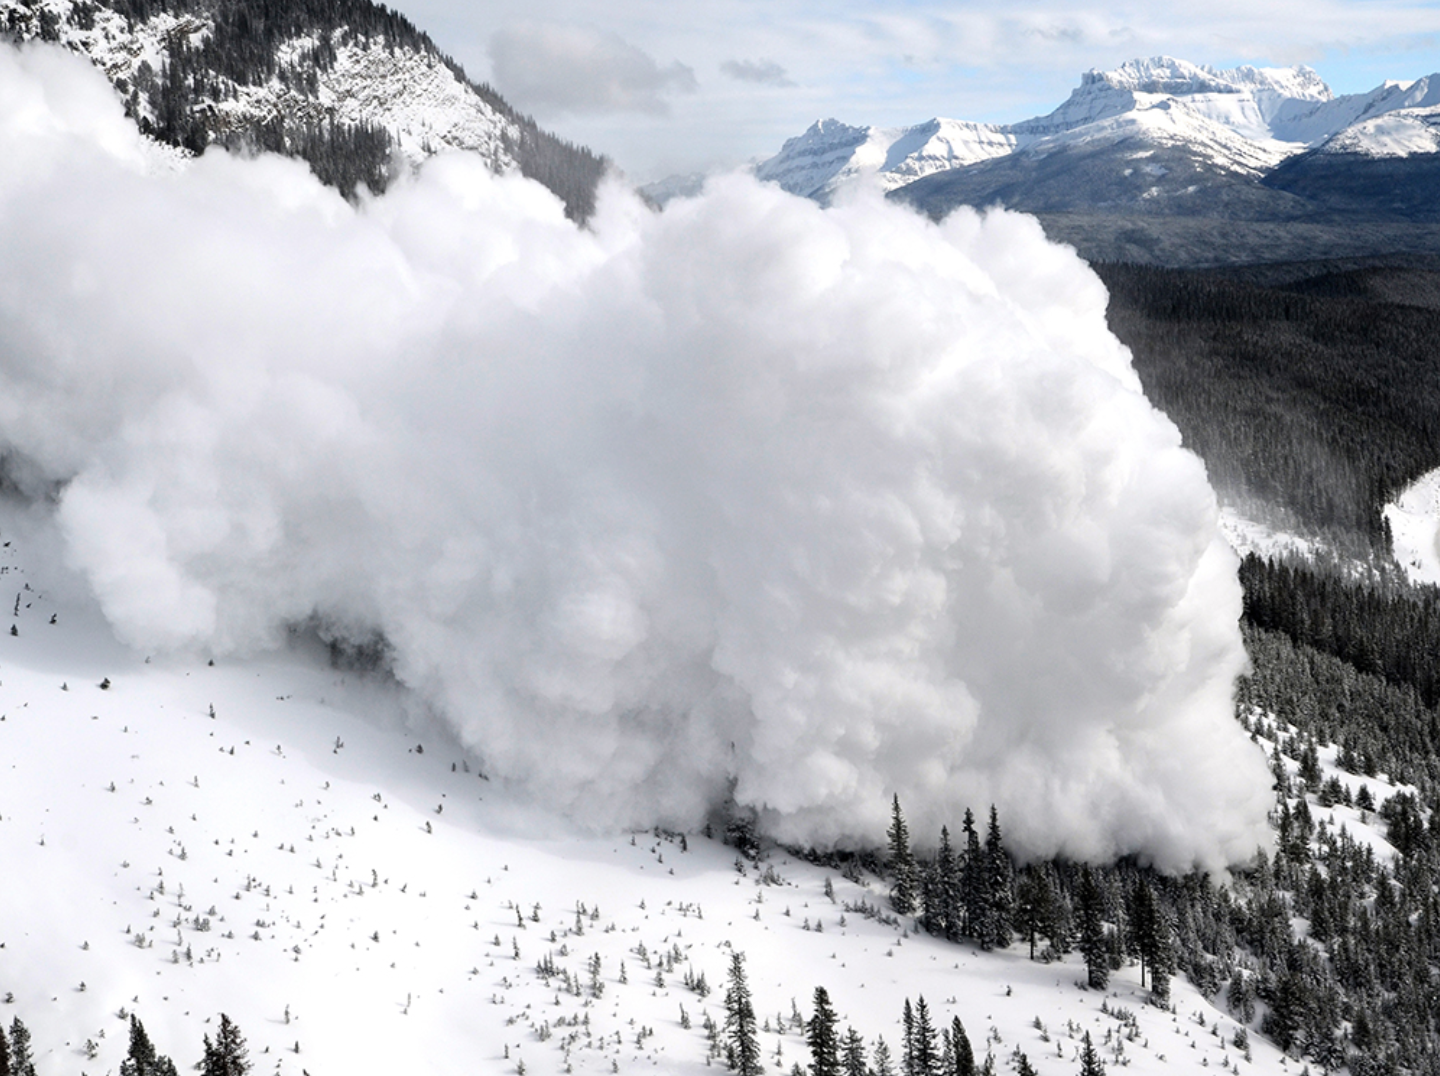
{"x": 351, "y": 87}
{"x": 1202, "y": 127}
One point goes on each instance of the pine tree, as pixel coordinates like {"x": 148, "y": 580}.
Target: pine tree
{"x": 907, "y": 1051}
{"x": 141, "y": 1058}
{"x": 902, "y": 863}
{"x": 742, "y": 1045}
{"x": 942, "y": 892}
{"x": 822, "y": 1039}
{"x": 973, "y": 897}
{"x": 1151, "y": 927}
{"x": 884, "y": 1063}
{"x": 999, "y": 894}
{"x": 22, "y": 1060}
{"x": 1093, "y": 943}
{"x": 227, "y": 1055}
{"x": 1032, "y": 905}
{"x": 964, "y": 1053}
{"x": 1090, "y": 1064}
{"x": 5, "y": 1053}
{"x": 1023, "y": 1066}
{"x": 854, "y": 1054}
{"x": 925, "y": 1053}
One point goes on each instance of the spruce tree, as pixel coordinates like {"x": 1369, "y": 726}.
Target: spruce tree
{"x": 22, "y": 1060}
{"x": 999, "y": 888}
{"x": 1093, "y": 943}
{"x": 854, "y": 1054}
{"x": 5, "y": 1053}
{"x": 742, "y": 1043}
{"x": 902, "y": 863}
{"x": 907, "y": 1050}
{"x": 884, "y": 1063}
{"x": 227, "y": 1055}
{"x": 822, "y": 1038}
{"x": 925, "y": 1052}
{"x": 141, "y": 1058}
{"x": 1023, "y": 1066}
{"x": 973, "y": 898}
{"x": 1032, "y": 905}
{"x": 1090, "y": 1064}
{"x": 942, "y": 892}
{"x": 964, "y": 1053}
{"x": 1151, "y": 926}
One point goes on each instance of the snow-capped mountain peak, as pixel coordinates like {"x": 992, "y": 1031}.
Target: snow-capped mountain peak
{"x": 1241, "y": 122}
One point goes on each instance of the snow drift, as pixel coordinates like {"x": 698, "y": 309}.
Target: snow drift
{"x": 809, "y": 505}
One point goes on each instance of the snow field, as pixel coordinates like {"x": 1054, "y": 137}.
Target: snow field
{"x": 337, "y": 880}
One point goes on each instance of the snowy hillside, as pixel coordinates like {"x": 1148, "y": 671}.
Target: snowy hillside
{"x": 270, "y": 839}
{"x": 1244, "y": 120}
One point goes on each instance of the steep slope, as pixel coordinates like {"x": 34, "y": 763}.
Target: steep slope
{"x": 267, "y": 839}
{"x": 350, "y": 87}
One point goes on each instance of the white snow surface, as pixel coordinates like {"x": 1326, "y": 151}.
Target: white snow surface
{"x": 357, "y": 897}
{"x": 1414, "y": 519}
{"x": 1245, "y": 119}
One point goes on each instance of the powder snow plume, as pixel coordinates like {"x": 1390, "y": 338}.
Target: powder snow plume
{"x": 812, "y": 505}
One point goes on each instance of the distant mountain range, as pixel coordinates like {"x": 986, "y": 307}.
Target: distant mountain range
{"x": 1194, "y": 161}
{"x": 350, "y": 86}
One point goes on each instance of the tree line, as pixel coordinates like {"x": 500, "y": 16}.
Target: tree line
{"x": 226, "y": 1055}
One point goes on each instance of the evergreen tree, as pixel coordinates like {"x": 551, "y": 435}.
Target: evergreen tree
{"x": 1032, "y": 905}
{"x": 925, "y": 1052}
{"x": 141, "y": 1059}
{"x": 884, "y": 1063}
{"x": 1150, "y": 926}
{"x": 902, "y": 863}
{"x": 972, "y": 878}
{"x": 854, "y": 1054}
{"x": 1023, "y": 1066}
{"x": 942, "y": 892}
{"x": 907, "y": 1050}
{"x": 1093, "y": 943}
{"x": 999, "y": 895}
{"x": 5, "y": 1053}
{"x": 227, "y": 1055}
{"x": 822, "y": 1038}
{"x": 1090, "y": 1064}
{"x": 22, "y": 1060}
{"x": 742, "y": 1042}
{"x": 964, "y": 1054}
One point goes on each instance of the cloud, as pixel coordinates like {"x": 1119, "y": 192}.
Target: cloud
{"x": 762, "y": 72}
{"x": 558, "y": 67}
{"x": 808, "y": 506}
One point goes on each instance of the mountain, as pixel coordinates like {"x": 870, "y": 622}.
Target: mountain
{"x": 347, "y": 85}
{"x": 1163, "y": 141}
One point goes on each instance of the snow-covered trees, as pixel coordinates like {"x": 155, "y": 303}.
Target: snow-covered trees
{"x": 902, "y": 863}
{"x": 142, "y": 1060}
{"x": 742, "y": 1043}
{"x": 227, "y": 1055}
{"x": 823, "y": 1038}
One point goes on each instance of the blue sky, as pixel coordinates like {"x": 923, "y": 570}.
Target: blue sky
{"x": 675, "y": 87}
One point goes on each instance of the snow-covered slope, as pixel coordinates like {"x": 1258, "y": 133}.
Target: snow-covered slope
{"x": 270, "y": 839}
{"x": 1244, "y": 120}
{"x": 410, "y": 92}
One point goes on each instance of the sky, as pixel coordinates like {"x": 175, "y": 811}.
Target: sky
{"x": 666, "y": 88}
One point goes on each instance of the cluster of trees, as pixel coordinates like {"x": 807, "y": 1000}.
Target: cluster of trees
{"x": 1319, "y": 397}
{"x": 243, "y": 48}
{"x": 227, "y": 1055}
{"x": 977, "y": 894}
{"x": 924, "y": 1051}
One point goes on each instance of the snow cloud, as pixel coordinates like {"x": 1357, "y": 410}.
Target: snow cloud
{"x": 564, "y": 67}
{"x": 814, "y": 506}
